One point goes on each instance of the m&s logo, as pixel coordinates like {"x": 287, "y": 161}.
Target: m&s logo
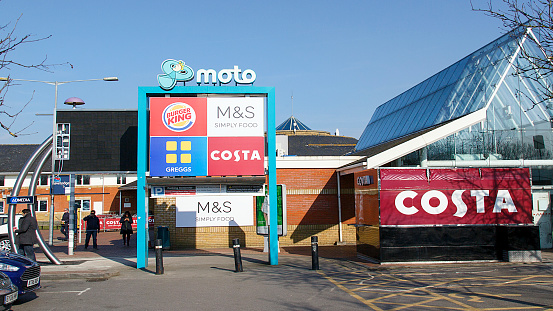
{"x": 179, "y": 117}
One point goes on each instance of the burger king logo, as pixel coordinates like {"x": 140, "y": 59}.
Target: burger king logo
{"x": 179, "y": 117}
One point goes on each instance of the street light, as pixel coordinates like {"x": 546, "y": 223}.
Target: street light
{"x": 54, "y": 130}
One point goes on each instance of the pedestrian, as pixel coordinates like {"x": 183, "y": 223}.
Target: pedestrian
{"x": 26, "y": 234}
{"x": 92, "y": 229}
{"x": 65, "y": 224}
{"x": 126, "y": 227}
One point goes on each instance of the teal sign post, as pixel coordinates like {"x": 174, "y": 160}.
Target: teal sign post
{"x": 186, "y": 154}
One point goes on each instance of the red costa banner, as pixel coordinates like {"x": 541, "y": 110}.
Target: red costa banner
{"x": 112, "y": 223}
{"x": 228, "y": 155}
{"x": 455, "y": 196}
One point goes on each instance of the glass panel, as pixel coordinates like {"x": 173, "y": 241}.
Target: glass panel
{"x": 428, "y": 107}
{"x": 433, "y": 84}
{"x": 542, "y": 176}
{"x": 420, "y": 90}
{"x": 456, "y": 74}
{"x": 410, "y": 96}
{"x": 86, "y": 205}
{"x": 396, "y": 118}
{"x": 408, "y": 118}
{"x": 446, "y": 75}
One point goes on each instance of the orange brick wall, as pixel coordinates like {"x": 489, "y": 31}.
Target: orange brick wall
{"x": 312, "y": 209}
{"x": 312, "y": 196}
{"x": 107, "y": 194}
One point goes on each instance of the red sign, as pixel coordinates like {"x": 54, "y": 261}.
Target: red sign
{"x": 455, "y": 196}
{"x": 228, "y": 155}
{"x": 112, "y": 223}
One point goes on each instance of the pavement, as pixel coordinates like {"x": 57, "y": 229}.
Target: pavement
{"x": 112, "y": 258}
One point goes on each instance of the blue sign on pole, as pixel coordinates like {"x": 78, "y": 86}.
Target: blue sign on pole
{"x": 22, "y": 200}
{"x": 59, "y": 184}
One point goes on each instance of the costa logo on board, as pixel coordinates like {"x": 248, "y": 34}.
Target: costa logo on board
{"x": 179, "y": 117}
{"x": 236, "y": 155}
{"x": 455, "y": 196}
{"x": 232, "y": 154}
{"x": 435, "y": 202}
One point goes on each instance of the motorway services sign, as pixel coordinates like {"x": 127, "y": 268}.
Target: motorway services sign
{"x": 22, "y": 200}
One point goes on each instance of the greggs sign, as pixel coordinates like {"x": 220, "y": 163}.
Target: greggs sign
{"x": 455, "y": 196}
{"x": 191, "y": 136}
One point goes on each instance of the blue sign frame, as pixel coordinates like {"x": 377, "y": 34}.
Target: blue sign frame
{"x": 144, "y": 93}
{"x": 59, "y": 184}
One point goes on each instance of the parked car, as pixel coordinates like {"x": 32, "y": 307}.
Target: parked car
{"x": 8, "y": 292}
{"x": 22, "y": 271}
{"x": 4, "y": 238}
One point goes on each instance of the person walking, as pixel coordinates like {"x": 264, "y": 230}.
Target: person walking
{"x": 26, "y": 234}
{"x": 126, "y": 227}
{"x": 65, "y": 224}
{"x": 92, "y": 229}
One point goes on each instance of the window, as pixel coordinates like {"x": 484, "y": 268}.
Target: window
{"x": 2, "y": 180}
{"x": 121, "y": 179}
{"x": 2, "y": 208}
{"x": 84, "y": 205}
{"x": 41, "y": 206}
{"x": 43, "y": 180}
{"x": 83, "y": 180}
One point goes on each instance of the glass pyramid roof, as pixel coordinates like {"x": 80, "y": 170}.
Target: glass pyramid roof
{"x": 292, "y": 124}
{"x": 456, "y": 91}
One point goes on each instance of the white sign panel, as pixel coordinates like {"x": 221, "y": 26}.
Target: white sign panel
{"x": 214, "y": 211}
{"x": 210, "y": 189}
{"x": 232, "y": 117}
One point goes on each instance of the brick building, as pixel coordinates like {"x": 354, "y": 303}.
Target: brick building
{"x": 103, "y": 158}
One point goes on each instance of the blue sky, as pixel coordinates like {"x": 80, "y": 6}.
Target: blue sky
{"x": 339, "y": 59}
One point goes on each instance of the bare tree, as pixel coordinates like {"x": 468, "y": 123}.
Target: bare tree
{"x": 535, "y": 18}
{"x": 9, "y": 42}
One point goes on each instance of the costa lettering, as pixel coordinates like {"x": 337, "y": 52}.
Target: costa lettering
{"x": 503, "y": 201}
{"x": 237, "y": 155}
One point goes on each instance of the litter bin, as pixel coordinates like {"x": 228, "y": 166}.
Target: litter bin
{"x": 163, "y": 235}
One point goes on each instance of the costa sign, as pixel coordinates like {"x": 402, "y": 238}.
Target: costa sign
{"x": 455, "y": 196}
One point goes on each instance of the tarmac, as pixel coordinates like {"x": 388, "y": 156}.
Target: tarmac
{"x": 112, "y": 258}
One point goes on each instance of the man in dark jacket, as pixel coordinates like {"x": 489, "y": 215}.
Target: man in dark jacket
{"x": 92, "y": 228}
{"x": 26, "y": 233}
{"x": 65, "y": 223}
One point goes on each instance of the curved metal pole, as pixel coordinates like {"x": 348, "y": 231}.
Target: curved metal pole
{"x": 47, "y": 144}
{"x": 32, "y": 190}
{"x": 17, "y": 187}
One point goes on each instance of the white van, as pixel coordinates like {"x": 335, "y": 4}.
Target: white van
{"x": 4, "y": 238}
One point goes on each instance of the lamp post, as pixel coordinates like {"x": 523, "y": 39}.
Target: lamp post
{"x": 54, "y": 131}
